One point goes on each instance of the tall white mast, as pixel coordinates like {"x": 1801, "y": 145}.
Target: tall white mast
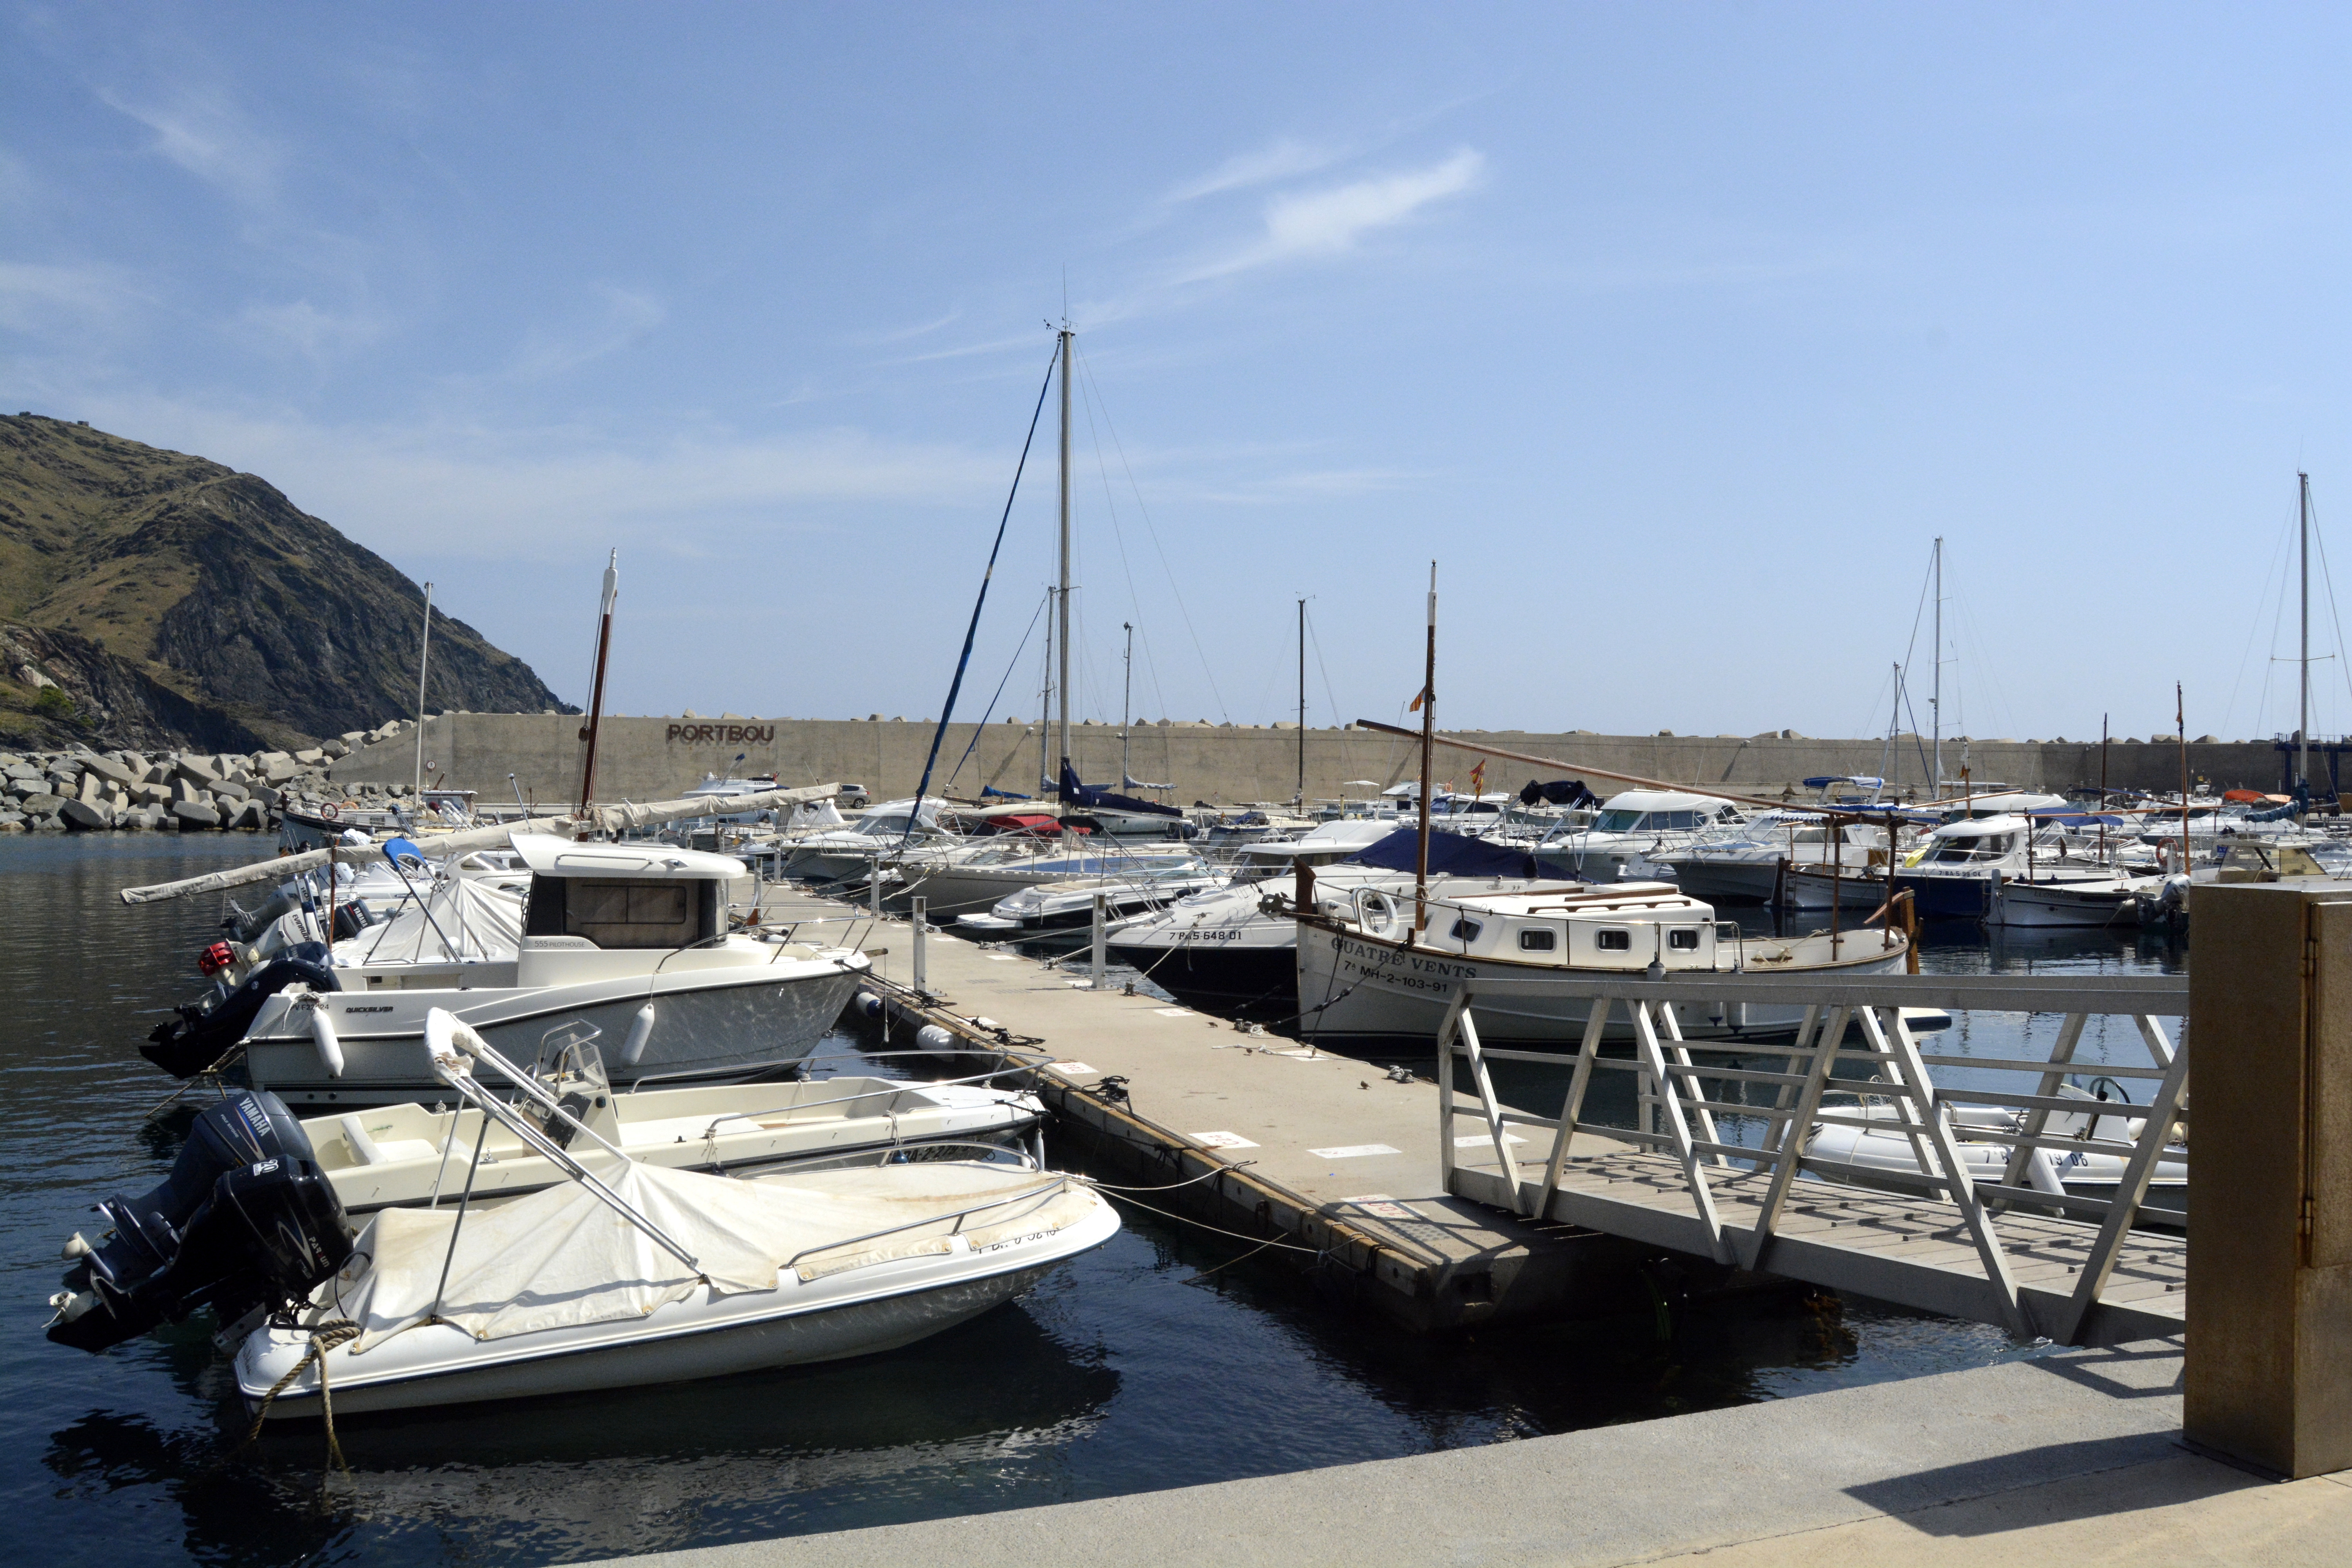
{"x": 1936, "y": 697}
{"x": 1062, "y": 610}
{"x": 2303, "y": 714}
{"x": 1127, "y": 709}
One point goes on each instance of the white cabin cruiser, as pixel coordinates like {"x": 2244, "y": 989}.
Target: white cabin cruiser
{"x": 629, "y": 938}
{"x": 1634, "y": 825}
{"x": 1128, "y": 884}
{"x": 1757, "y": 864}
{"x": 1363, "y": 974}
{"x": 883, "y": 833}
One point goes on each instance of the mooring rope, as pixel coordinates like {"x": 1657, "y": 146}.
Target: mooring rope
{"x": 325, "y": 1337}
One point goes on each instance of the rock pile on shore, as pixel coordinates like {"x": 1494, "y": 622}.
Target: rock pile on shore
{"x": 88, "y": 790}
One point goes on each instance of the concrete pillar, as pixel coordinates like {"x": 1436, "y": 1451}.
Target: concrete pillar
{"x": 2270, "y": 1215}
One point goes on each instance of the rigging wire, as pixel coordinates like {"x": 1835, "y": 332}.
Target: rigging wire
{"x": 1085, "y": 368}
{"x": 980, "y": 603}
{"x": 2253, "y": 629}
{"x": 981, "y": 728}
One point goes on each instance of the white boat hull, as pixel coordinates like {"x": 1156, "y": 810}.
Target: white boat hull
{"x": 1352, "y": 987}
{"x": 864, "y": 1312}
{"x": 709, "y": 1023}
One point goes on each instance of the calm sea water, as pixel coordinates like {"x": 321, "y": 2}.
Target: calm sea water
{"x": 1157, "y": 1361}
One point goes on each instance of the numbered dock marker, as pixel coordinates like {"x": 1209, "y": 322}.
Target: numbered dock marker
{"x": 1222, "y": 1140}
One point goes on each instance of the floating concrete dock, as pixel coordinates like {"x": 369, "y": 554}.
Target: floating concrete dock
{"x": 1279, "y": 1143}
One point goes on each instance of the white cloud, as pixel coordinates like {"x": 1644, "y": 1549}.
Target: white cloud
{"x": 1280, "y": 159}
{"x": 40, "y": 298}
{"x": 616, "y": 319}
{"x": 206, "y": 134}
{"x": 307, "y": 329}
{"x": 1330, "y": 222}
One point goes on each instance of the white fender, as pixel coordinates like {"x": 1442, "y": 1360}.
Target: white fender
{"x": 931, "y": 1037}
{"x": 869, "y": 1004}
{"x": 322, "y": 1035}
{"x": 641, "y": 1030}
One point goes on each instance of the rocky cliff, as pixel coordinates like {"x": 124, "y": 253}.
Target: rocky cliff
{"x": 150, "y": 599}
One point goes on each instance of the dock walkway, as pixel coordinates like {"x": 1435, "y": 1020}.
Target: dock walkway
{"x": 2069, "y": 1457}
{"x": 1314, "y": 1150}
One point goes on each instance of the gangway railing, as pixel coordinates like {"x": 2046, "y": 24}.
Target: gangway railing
{"x": 1677, "y": 1112}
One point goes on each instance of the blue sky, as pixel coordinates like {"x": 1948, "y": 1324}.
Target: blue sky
{"x": 1674, "y": 335}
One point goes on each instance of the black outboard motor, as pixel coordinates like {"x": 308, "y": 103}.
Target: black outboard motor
{"x": 204, "y": 1032}
{"x": 242, "y": 928}
{"x": 246, "y": 1223}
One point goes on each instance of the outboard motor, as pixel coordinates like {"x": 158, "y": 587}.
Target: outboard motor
{"x": 246, "y": 1223}
{"x": 243, "y": 927}
{"x": 203, "y": 1031}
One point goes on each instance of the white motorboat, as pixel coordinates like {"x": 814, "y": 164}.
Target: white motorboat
{"x": 1363, "y": 974}
{"x": 410, "y": 1153}
{"x": 632, "y": 1273}
{"x": 1756, "y": 864}
{"x": 1126, "y": 885}
{"x": 879, "y": 836}
{"x": 1884, "y": 1149}
{"x": 2084, "y": 896}
{"x": 630, "y": 938}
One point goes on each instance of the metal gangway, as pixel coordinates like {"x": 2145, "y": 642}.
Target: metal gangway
{"x": 2075, "y": 1268}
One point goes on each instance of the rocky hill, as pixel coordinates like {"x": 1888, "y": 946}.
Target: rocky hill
{"x": 153, "y": 599}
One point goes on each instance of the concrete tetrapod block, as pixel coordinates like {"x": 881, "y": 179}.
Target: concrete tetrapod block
{"x": 107, "y": 768}
{"x": 192, "y": 814}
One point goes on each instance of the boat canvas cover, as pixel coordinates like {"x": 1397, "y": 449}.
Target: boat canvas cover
{"x": 1450, "y": 854}
{"x": 469, "y": 920}
{"x": 1095, "y": 797}
{"x": 563, "y": 1258}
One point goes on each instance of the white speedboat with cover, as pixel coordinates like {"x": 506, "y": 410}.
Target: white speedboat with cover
{"x": 881, "y": 835}
{"x": 1363, "y": 974}
{"x": 1126, "y": 884}
{"x": 632, "y": 1273}
{"x": 632, "y": 939}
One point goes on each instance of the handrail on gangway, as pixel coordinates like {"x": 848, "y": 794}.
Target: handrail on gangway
{"x": 1678, "y": 1115}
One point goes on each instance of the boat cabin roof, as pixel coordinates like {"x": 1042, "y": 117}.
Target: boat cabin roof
{"x": 550, "y": 854}
{"x": 1615, "y": 900}
{"x": 1662, "y": 800}
{"x": 1978, "y": 827}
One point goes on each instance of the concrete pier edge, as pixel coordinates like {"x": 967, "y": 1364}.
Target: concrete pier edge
{"x": 2073, "y": 1452}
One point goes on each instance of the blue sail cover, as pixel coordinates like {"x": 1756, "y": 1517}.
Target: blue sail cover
{"x": 1450, "y": 853}
{"x": 1095, "y": 796}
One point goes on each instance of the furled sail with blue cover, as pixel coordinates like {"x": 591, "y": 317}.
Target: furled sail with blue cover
{"x": 1097, "y": 797}
{"x": 1450, "y": 854}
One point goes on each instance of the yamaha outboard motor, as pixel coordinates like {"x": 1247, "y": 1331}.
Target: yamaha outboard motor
{"x": 246, "y": 1223}
{"x": 204, "y": 1032}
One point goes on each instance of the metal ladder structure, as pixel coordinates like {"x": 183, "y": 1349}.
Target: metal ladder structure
{"x": 2037, "y": 1262}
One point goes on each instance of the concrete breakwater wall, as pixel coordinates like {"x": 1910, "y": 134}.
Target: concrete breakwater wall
{"x": 652, "y": 757}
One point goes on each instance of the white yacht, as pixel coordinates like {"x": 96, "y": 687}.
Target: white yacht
{"x": 1634, "y": 825}
{"x": 630, "y": 938}
{"x": 883, "y": 833}
{"x": 1756, "y": 864}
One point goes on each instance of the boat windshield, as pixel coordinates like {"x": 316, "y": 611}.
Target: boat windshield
{"x": 1618, "y": 821}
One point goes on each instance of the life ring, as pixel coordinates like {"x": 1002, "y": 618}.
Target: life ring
{"x": 330, "y": 811}
{"x": 1376, "y": 913}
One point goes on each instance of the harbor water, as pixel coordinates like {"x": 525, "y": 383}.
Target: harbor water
{"x": 1171, "y": 1356}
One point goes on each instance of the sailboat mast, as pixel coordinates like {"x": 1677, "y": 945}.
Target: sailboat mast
{"x": 423, "y": 654}
{"x": 1428, "y": 742}
{"x": 1936, "y": 696}
{"x": 1300, "y": 800}
{"x": 1126, "y": 711}
{"x": 2303, "y": 714}
{"x": 1061, "y": 723}
{"x": 596, "y": 689}
{"x": 1045, "y": 779}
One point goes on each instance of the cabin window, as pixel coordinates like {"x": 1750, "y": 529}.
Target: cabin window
{"x": 1613, "y": 941}
{"x": 616, "y": 912}
{"x": 1685, "y": 941}
{"x": 1542, "y": 940}
{"x": 1466, "y": 931}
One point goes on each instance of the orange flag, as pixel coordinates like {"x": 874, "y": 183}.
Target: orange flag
{"x": 1419, "y": 698}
